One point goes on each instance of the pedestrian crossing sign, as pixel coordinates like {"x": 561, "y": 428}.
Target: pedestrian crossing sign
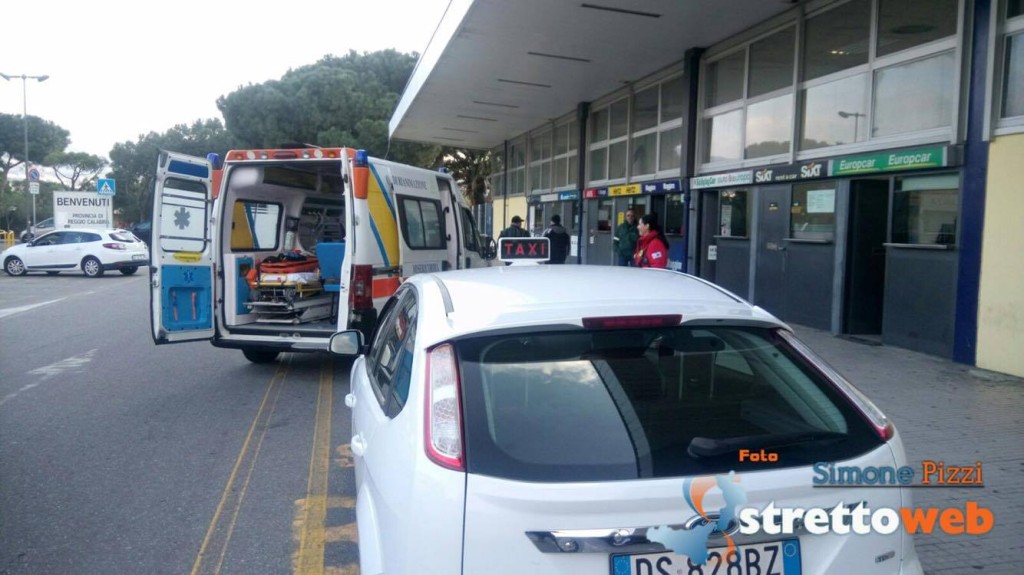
{"x": 105, "y": 187}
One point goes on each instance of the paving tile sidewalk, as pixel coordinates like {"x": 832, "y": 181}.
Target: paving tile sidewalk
{"x": 957, "y": 414}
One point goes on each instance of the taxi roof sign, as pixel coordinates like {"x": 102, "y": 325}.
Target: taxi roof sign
{"x": 524, "y": 250}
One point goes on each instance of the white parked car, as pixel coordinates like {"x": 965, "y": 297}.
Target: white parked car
{"x": 550, "y": 419}
{"x": 93, "y": 251}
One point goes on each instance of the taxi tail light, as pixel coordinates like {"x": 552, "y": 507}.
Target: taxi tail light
{"x": 443, "y": 421}
{"x": 361, "y": 294}
{"x": 114, "y": 246}
{"x": 632, "y": 321}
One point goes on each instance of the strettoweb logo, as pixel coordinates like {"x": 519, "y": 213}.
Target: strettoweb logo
{"x": 693, "y": 540}
{"x": 860, "y": 519}
{"x": 842, "y": 518}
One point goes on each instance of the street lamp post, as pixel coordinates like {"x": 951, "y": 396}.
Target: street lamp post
{"x": 24, "y": 103}
{"x": 856, "y": 120}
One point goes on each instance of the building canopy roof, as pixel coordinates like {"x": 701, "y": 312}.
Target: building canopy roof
{"x": 495, "y": 69}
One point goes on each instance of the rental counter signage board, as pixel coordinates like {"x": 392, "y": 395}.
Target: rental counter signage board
{"x": 82, "y": 210}
{"x": 624, "y": 190}
{"x": 671, "y": 186}
{"x": 554, "y": 197}
{"x": 722, "y": 180}
{"x": 662, "y": 187}
{"x": 912, "y": 159}
{"x": 791, "y": 172}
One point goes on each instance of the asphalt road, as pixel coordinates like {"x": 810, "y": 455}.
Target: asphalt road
{"x": 120, "y": 456}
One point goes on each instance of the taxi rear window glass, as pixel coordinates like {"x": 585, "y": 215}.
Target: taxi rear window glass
{"x": 625, "y": 404}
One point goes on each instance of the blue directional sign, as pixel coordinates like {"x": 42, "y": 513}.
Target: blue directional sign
{"x": 106, "y": 186}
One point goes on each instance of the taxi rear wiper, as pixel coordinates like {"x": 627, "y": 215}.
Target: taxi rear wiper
{"x": 711, "y": 447}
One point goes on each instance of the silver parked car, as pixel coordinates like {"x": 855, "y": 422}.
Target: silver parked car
{"x": 40, "y": 228}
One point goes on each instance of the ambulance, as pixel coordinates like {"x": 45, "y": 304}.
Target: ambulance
{"x": 274, "y": 250}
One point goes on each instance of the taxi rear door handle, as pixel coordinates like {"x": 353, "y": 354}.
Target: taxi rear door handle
{"x": 358, "y": 445}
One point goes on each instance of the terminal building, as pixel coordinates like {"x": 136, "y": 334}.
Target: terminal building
{"x": 848, "y": 165}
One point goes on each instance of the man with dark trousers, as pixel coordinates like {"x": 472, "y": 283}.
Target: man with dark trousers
{"x": 559, "y": 239}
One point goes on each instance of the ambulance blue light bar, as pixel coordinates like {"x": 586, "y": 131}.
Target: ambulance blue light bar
{"x": 362, "y": 159}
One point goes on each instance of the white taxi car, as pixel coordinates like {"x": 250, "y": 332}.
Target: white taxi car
{"x": 93, "y": 251}
{"x": 555, "y": 419}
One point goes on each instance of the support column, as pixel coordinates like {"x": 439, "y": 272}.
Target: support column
{"x": 582, "y": 119}
{"x": 972, "y": 215}
{"x": 689, "y": 157}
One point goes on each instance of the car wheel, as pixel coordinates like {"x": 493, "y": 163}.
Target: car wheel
{"x": 52, "y": 273}
{"x": 15, "y": 267}
{"x": 130, "y": 270}
{"x": 92, "y": 267}
{"x": 260, "y": 355}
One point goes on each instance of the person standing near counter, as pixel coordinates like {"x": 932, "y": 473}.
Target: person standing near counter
{"x": 652, "y": 247}
{"x": 625, "y": 240}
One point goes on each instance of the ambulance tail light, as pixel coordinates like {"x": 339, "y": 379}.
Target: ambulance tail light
{"x": 360, "y": 296}
{"x": 361, "y": 175}
{"x": 443, "y": 421}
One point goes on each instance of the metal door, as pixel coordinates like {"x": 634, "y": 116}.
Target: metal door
{"x": 769, "y": 286}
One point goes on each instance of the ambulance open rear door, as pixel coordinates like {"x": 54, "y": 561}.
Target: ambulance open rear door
{"x": 181, "y": 270}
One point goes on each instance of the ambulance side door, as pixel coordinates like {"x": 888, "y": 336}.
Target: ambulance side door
{"x": 474, "y": 251}
{"x": 424, "y": 233}
{"x": 181, "y": 270}
{"x": 452, "y": 220}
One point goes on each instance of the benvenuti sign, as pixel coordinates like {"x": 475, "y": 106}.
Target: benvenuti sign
{"x": 913, "y": 159}
{"x": 82, "y": 210}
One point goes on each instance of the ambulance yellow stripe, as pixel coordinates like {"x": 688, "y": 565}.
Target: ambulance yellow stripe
{"x": 382, "y": 218}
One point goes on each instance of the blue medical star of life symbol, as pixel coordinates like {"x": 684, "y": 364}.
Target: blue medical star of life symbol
{"x": 693, "y": 541}
{"x": 181, "y": 218}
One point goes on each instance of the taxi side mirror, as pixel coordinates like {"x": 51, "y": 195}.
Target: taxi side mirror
{"x": 488, "y": 249}
{"x": 348, "y": 343}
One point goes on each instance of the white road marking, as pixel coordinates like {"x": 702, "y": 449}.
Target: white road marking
{"x": 63, "y": 366}
{"x": 13, "y": 310}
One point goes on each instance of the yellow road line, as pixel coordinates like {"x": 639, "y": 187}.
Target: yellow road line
{"x": 309, "y": 559}
{"x": 218, "y": 535}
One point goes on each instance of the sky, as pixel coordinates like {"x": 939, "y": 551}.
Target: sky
{"x": 121, "y": 69}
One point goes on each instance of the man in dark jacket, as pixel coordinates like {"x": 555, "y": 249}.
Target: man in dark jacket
{"x": 515, "y": 230}
{"x": 559, "y": 239}
{"x": 625, "y": 240}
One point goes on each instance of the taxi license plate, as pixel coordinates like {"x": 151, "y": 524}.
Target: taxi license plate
{"x": 774, "y": 558}
{"x": 139, "y": 256}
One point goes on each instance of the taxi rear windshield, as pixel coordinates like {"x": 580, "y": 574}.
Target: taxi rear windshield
{"x": 602, "y": 405}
